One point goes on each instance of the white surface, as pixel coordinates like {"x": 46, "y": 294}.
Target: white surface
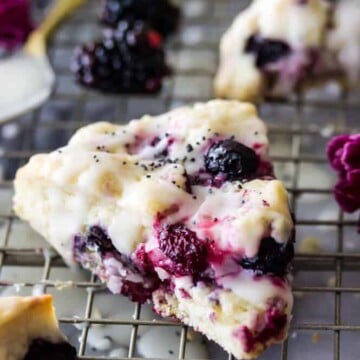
{"x": 163, "y": 342}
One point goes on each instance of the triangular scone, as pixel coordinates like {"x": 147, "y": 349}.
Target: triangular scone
{"x": 29, "y": 330}
{"x": 277, "y": 47}
{"x": 182, "y": 209}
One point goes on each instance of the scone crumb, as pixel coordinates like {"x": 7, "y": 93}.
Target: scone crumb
{"x": 315, "y": 338}
{"x": 61, "y": 285}
{"x": 299, "y": 294}
{"x": 310, "y": 245}
{"x": 331, "y": 281}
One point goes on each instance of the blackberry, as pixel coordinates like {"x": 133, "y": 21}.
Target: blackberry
{"x": 44, "y": 350}
{"x": 160, "y": 14}
{"x": 129, "y": 59}
{"x": 232, "y": 159}
{"x": 184, "y": 248}
{"x": 272, "y": 258}
{"x": 266, "y": 50}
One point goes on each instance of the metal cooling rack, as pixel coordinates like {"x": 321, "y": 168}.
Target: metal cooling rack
{"x": 326, "y": 321}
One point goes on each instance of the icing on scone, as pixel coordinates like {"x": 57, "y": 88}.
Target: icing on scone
{"x": 276, "y": 47}
{"x": 29, "y": 330}
{"x": 182, "y": 209}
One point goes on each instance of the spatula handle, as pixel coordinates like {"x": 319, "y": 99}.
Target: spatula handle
{"x": 36, "y": 44}
{"x": 59, "y": 11}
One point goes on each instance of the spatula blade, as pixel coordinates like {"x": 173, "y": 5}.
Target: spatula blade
{"x": 25, "y": 82}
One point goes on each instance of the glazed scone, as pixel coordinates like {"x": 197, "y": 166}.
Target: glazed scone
{"x": 277, "y": 47}
{"x": 182, "y": 209}
{"x": 29, "y": 330}
{"x": 344, "y": 38}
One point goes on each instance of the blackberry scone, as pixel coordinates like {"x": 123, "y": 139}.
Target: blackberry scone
{"x": 182, "y": 209}
{"x": 277, "y": 47}
{"x": 29, "y": 330}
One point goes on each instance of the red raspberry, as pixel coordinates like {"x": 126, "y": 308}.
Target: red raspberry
{"x": 184, "y": 248}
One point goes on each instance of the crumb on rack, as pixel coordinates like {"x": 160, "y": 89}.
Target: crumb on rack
{"x": 61, "y": 285}
{"x": 331, "y": 281}
{"x": 310, "y": 245}
{"x": 299, "y": 294}
{"x": 315, "y": 338}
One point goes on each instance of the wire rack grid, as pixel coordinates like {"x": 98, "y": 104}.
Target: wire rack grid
{"x": 326, "y": 280}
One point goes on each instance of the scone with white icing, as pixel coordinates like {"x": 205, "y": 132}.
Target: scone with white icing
{"x": 277, "y": 47}
{"x": 29, "y": 330}
{"x": 182, "y": 209}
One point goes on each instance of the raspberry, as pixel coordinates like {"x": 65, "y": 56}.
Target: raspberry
{"x": 160, "y": 14}
{"x": 137, "y": 291}
{"x": 272, "y": 257}
{"x": 44, "y": 350}
{"x": 232, "y": 159}
{"x": 184, "y": 248}
{"x": 130, "y": 59}
{"x": 266, "y": 50}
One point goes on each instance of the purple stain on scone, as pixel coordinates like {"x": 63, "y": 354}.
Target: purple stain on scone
{"x": 185, "y": 294}
{"x": 212, "y": 316}
{"x": 40, "y": 349}
{"x": 343, "y": 152}
{"x": 274, "y": 326}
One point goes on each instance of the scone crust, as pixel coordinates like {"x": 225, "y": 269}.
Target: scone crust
{"x": 23, "y": 319}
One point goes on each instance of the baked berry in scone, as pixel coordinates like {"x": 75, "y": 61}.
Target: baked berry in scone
{"x": 344, "y": 38}
{"x": 182, "y": 209}
{"x": 29, "y": 330}
{"x": 129, "y": 59}
{"x": 277, "y": 47}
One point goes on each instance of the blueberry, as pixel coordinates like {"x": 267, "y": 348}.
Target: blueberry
{"x": 44, "y": 350}
{"x": 266, "y": 50}
{"x": 93, "y": 247}
{"x": 184, "y": 248}
{"x": 272, "y": 258}
{"x": 232, "y": 159}
{"x": 97, "y": 238}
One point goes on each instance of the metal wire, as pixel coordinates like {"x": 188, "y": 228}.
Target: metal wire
{"x": 216, "y": 16}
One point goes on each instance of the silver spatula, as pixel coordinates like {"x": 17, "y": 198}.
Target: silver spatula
{"x": 27, "y": 79}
